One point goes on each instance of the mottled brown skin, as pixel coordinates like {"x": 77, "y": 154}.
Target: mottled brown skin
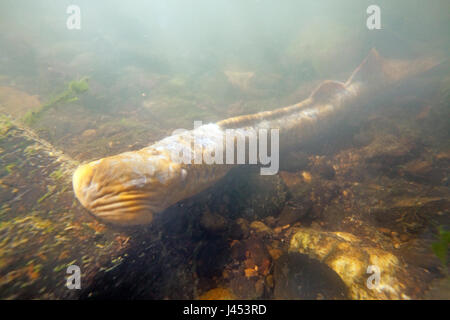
{"x": 130, "y": 188}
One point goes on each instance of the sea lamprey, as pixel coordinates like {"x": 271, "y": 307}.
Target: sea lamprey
{"x": 130, "y": 188}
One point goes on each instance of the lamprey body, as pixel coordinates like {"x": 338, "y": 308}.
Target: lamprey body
{"x": 130, "y": 188}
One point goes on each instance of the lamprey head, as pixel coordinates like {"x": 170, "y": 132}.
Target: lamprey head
{"x": 126, "y": 189}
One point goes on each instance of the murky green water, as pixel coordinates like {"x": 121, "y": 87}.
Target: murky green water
{"x": 373, "y": 190}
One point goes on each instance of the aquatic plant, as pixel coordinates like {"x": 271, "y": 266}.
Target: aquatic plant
{"x": 80, "y": 86}
{"x": 9, "y": 168}
{"x": 57, "y": 174}
{"x": 440, "y": 247}
{"x": 5, "y": 125}
{"x": 70, "y": 94}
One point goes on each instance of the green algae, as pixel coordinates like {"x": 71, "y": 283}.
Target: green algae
{"x": 30, "y": 150}
{"x": 57, "y": 174}
{"x": 45, "y": 196}
{"x": 70, "y": 94}
{"x": 60, "y": 267}
{"x": 80, "y": 86}
{"x": 9, "y": 168}
{"x": 440, "y": 247}
{"x": 5, "y": 125}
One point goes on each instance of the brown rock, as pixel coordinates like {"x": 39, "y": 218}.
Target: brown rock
{"x": 326, "y": 171}
{"x": 277, "y": 230}
{"x": 418, "y": 168}
{"x": 89, "y": 133}
{"x": 443, "y": 155}
{"x": 240, "y": 229}
{"x": 387, "y": 149}
{"x": 260, "y": 227}
{"x": 251, "y": 272}
{"x": 296, "y": 276}
{"x": 306, "y": 176}
{"x": 275, "y": 253}
{"x": 291, "y": 179}
{"x": 213, "y": 222}
{"x": 270, "y": 221}
{"x": 269, "y": 281}
{"x": 291, "y": 214}
{"x": 217, "y": 294}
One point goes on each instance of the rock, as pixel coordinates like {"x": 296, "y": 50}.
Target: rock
{"x": 413, "y": 202}
{"x": 269, "y": 281}
{"x": 443, "y": 156}
{"x": 255, "y": 196}
{"x": 270, "y": 221}
{"x": 277, "y": 230}
{"x": 350, "y": 258}
{"x": 326, "y": 171}
{"x": 306, "y": 176}
{"x": 212, "y": 257}
{"x": 217, "y": 294}
{"x": 213, "y": 222}
{"x": 240, "y": 229}
{"x": 296, "y": 276}
{"x": 440, "y": 290}
{"x": 404, "y": 237}
{"x": 388, "y": 149}
{"x": 292, "y": 214}
{"x": 275, "y": 253}
{"x": 294, "y": 161}
{"x": 257, "y": 256}
{"x": 89, "y": 133}
{"x": 299, "y": 189}
{"x": 237, "y": 250}
{"x": 251, "y": 272}
{"x": 249, "y": 268}
{"x": 291, "y": 179}
{"x": 260, "y": 227}
{"x": 245, "y": 288}
{"x": 418, "y": 169}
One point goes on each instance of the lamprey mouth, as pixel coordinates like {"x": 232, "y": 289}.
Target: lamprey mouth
{"x": 112, "y": 193}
